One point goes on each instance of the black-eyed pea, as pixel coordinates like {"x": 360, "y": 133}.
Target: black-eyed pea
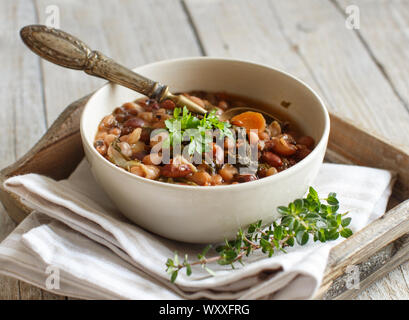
{"x": 152, "y": 172}
{"x": 109, "y": 138}
{"x": 125, "y": 149}
{"x": 116, "y": 131}
{"x": 108, "y": 121}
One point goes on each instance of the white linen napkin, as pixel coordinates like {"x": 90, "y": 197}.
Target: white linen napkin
{"x": 99, "y": 254}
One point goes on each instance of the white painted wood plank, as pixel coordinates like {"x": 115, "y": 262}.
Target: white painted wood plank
{"x": 390, "y": 287}
{"x": 308, "y": 39}
{"x": 22, "y": 118}
{"x": 384, "y": 27}
{"x": 131, "y": 32}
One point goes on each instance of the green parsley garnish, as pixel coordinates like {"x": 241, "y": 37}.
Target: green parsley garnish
{"x": 300, "y": 220}
{"x": 186, "y": 127}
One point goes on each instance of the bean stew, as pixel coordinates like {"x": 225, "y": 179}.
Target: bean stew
{"x": 163, "y": 142}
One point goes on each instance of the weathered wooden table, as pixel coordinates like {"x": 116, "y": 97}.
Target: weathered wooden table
{"x": 361, "y": 73}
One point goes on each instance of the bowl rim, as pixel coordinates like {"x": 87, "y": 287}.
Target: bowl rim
{"x": 281, "y": 175}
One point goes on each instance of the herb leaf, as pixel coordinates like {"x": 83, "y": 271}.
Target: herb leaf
{"x": 299, "y": 220}
{"x": 186, "y": 127}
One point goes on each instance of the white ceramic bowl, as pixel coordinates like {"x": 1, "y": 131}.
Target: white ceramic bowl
{"x": 209, "y": 214}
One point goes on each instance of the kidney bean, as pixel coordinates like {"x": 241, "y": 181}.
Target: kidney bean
{"x": 272, "y": 159}
{"x": 216, "y": 179}
{"x": 302, "y": 152}
{"x": 134, "y": 123}
{"x": 139, "y": 155}
{"x": 271, "y": 171}
{"x": 145, "y": 135}
{"x": 307, "y": 141}
{"x": 202, "y": 178}
{"x": 282, "y": 146}
{"x": 175, "y": 171}
{"x": 223, "y": 104}
{"x": 138, "y": 146}
{"x": 228, "y": 172}
{"x": 118, "y": 110}
{"x": 151, "y": 105}
{"x": 120, "y": 117}
{"x": 245, "y": 178}
{"x": 168, "y": 104}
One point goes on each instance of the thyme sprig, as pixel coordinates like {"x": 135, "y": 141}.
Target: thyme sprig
{"x": 300, "y": 221}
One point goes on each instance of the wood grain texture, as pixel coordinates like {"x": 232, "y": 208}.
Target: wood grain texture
{"x": 357, "y": 73}
{"x": 384, "y": 25}
{"x": 385, "y": 42}
{"x": 22, "y": 117}
{"x": 310, "y": 40}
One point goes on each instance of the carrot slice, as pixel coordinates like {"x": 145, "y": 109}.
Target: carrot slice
{"x": 250, "y": 120}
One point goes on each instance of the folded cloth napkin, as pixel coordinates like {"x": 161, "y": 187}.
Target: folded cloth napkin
{"x": 76, "y": 230}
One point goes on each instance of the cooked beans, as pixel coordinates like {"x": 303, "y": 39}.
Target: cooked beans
{"x": 175, "y": 170}
{"x": 125, "y": 138}
{"x": 272, "y": 159}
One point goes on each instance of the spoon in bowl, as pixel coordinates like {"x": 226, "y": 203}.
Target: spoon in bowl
{"x": 66, "y": 50}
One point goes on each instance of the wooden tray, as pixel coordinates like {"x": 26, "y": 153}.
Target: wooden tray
{"x": 377, "y": 249}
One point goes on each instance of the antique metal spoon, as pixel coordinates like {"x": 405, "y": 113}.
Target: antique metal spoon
{"x": 66, "y": 50}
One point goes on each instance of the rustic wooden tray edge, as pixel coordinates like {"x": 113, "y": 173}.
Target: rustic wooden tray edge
{"x": 376, "y": 249}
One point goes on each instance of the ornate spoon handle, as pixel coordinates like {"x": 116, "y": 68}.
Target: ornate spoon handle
{"x": 66, "y": 50}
